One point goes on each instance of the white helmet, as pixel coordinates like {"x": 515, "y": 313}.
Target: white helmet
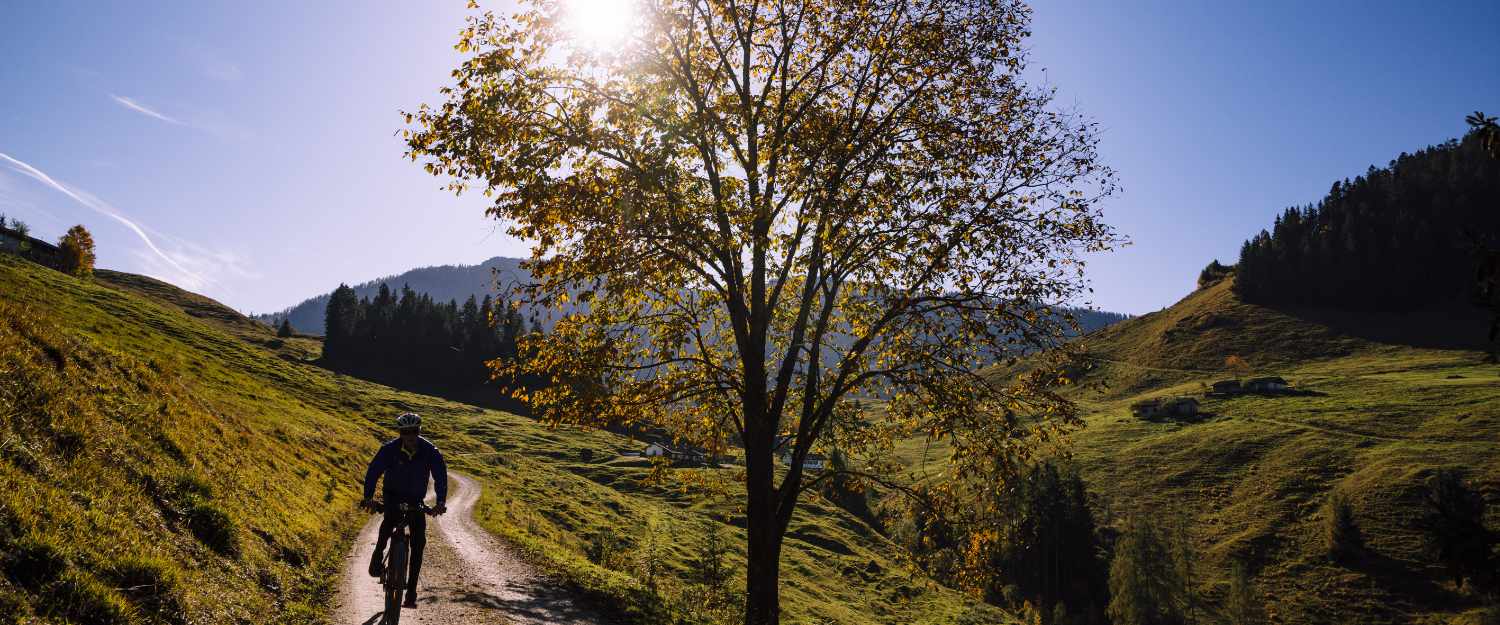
{"x": 408, "y": 420}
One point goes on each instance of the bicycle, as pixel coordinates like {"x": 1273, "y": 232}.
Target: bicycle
{"x": 393, "y": 577}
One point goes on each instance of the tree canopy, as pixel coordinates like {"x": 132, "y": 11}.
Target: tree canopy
{"x": 757, "y": 213}
{"x": 77, "y": 251}
{"x": 407, "y": 337}
{"x": 1398, "y": 237}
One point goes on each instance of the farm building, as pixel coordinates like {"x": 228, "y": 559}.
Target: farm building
{"x": 1178, "y": 407}
{"x": 1227, "y": 387}
{"x": 812, "y": 462}
{"x": 1266, "y": 385}
{"x": 691, "y": 456}
{"x": 32, "y": 249}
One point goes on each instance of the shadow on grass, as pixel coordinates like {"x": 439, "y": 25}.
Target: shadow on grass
{"x": 1397, "y": 578}
{"x": 536, "y": 605}
{"x": 1456, "y": 327}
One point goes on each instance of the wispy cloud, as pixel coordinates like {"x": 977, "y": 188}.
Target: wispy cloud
{"x": 213, "y": 64}
{"x": 191, "y": 279}
{"x": 144, "y": 110}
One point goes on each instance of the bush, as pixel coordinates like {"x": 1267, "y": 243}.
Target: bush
{"x": 651, "y": 551}
{"x": 14, "y": 610}
{"x": 150, "y": 583}
{"x": 708, "y": 567}
{"x": 1341, "y": 533}
{"x": 188, "y": 486}
{"x": 213, "y": 527}
{"x": 1214, "y": 272}
{"x": 606, "y": 549}
{"x": 85, "y": 600}
{"x": 34, "y": 562}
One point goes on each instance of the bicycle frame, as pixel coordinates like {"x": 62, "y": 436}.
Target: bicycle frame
{"x": 393, "y": 578}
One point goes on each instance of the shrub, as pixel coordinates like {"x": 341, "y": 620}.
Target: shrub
{"x": 85, "y": 600}
{"x": 708, "y": 567}
{"x": 606, "y": 548}
{"x": 213, "y": 527}
{"x": 33, "y": 562}
{"x": 187, "y": 486}
{"x": 1341, "y": 533}
{"x": 150, "y": 583}
{"x": 651, "y": 551}
{"x": 13, "y": 608}
{"x": 1214, "y": 272}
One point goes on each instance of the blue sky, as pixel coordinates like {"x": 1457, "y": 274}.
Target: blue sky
{"x": 253, "y": 144}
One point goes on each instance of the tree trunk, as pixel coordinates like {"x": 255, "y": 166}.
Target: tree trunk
{"x": 762, "y": 576}
{"x": 763, "y": 547}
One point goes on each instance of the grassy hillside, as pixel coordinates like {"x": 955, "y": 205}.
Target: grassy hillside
{"x": 167, "y": 461}
{"x": 1253, "y": 475}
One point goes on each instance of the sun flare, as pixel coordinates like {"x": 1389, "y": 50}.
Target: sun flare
{"x": 600, "y": 24}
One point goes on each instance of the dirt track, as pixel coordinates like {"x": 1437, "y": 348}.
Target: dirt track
{"x": 467, "y": 577}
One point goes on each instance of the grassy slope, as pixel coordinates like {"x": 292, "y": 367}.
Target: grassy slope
{"x": 166, "y": 406}
{"x": 1253, "y": 477}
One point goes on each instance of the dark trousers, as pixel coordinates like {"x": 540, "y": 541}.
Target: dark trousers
{"x": 416, "y": 530}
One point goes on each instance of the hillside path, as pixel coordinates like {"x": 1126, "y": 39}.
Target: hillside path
{"x": 468, "y": 576}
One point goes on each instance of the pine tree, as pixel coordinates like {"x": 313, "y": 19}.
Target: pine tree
{"x": 340, "y": 322}
{"x": 1341, "y": 532}
{"x": 285, "y": 329}
{"x": 1144, "y": 581}
{"x": 1240, "y": 604}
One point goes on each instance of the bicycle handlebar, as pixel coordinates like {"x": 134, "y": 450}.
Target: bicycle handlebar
{"x": 379, "y": 506}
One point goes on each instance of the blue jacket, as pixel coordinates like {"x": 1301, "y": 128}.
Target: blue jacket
{"x": 406, "y": 474}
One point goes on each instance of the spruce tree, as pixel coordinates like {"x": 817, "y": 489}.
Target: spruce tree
{"x": 1144, "y": 582}
{"x": 285, "y": 329}
{"x": 339, "y": 322}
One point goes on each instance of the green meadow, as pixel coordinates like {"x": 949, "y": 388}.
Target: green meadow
{"x": 168, "y": 461}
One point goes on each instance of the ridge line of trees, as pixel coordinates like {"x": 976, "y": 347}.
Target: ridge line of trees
{"x": 1396, "y": 238}
{"x": 416, "y": 339}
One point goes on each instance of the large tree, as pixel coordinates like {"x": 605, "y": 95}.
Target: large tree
{"x": 755, "y": 212}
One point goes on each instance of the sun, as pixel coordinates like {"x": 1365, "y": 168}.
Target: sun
{"x": 600, "y": 24}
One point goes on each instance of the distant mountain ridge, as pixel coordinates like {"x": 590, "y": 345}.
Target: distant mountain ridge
{"x": 442, "y": 282}
{"x": 458, "y": 282}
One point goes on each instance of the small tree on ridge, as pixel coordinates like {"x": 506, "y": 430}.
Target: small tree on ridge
{"x": 77, "y": 249}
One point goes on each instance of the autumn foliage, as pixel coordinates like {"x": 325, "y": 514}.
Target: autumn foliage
{"x": 748, "y": 216}
{"x": 77, "y": 249}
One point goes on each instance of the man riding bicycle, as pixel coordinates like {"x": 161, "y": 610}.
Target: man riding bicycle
{"x": 406, "y": 462}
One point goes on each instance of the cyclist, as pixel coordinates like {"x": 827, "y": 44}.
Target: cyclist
{"x": 406, "y": 462}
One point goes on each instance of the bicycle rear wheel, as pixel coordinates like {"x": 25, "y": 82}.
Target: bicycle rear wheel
{"x": 395, "y": 579}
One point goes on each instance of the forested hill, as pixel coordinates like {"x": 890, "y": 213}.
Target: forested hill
{"x": 457, "y": 282}
{"x": 1399, "y": 237}
{"x": 443, "y": 283}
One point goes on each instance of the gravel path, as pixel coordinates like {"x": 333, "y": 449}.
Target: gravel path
{"x": 467, "y": 576}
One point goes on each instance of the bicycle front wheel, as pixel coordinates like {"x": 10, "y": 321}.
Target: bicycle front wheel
{"x": 395, "y": 579}
{"x": 392, "y": 606}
